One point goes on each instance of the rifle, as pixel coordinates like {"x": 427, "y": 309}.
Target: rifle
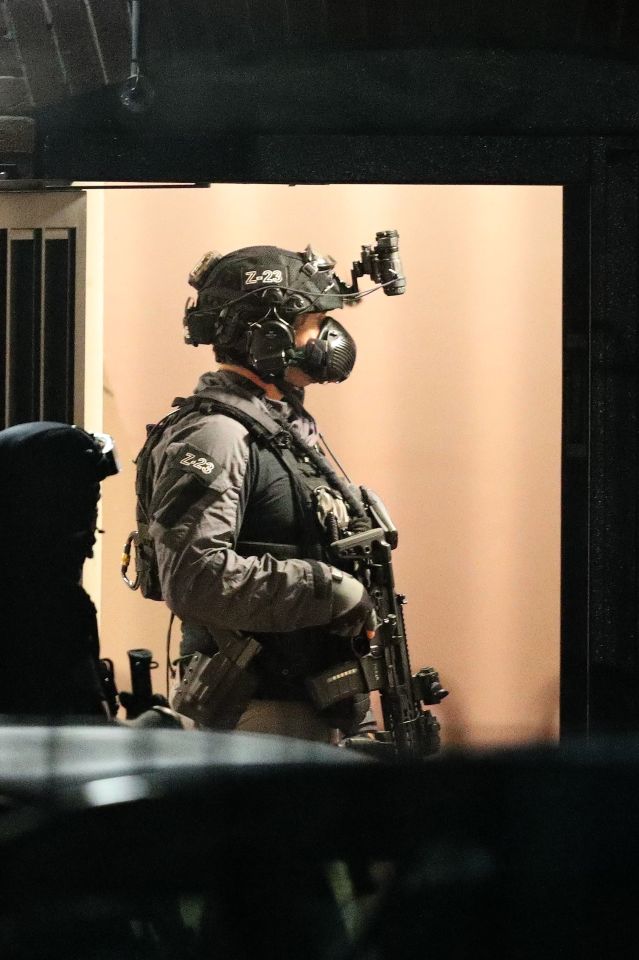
{"x": 141, "y": 697}
{"x": 383, "y": 663}
{"x": 106, "y": 673}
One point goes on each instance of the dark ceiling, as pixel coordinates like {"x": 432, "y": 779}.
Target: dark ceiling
{"x": 54, "y": 49}
{"x": 219, "y": 76}
{"x": 587, "y": 25}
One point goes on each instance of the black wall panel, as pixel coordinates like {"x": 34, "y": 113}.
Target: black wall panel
{"x": 37, "y": 270}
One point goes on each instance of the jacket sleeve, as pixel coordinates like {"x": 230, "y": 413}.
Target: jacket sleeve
{"x": 196, "y": 512}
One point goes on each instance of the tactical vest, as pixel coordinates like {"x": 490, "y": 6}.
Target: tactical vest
{"x": 312, "y": 484}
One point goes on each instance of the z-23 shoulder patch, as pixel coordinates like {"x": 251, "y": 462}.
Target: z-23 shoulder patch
{"x": 191, "y": 460}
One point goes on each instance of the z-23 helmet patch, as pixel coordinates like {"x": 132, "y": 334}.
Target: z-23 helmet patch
{"x": 191, "y": 460}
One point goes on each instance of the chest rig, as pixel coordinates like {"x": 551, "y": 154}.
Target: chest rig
{"x": 324, "y": 507}
{"x": 327, "y": 509}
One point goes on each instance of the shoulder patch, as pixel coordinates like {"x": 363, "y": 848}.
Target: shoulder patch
{"x": 191, "y": 460}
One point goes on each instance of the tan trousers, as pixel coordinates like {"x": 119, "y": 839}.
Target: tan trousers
{"x": 286, "y": 719}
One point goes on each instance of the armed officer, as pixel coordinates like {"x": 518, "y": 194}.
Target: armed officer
{"x": 50, "y": 476}
{"x": 237, "y": 502}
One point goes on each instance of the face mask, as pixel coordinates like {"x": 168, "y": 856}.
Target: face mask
{"x": 330, "y": 357}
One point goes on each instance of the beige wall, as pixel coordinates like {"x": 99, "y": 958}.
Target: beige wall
{"x": 452, "y": 413}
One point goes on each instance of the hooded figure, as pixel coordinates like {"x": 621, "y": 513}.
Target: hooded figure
{"x": 50, "y": 477}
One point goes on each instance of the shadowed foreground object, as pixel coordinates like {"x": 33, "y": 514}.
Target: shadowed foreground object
{"x": 157, "y": 843}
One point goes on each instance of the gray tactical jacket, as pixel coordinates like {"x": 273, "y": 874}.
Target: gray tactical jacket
{"x": 208, "y": 475}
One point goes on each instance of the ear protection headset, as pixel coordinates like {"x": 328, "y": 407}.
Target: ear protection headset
{"x": 261, "y": 334}
{"x": 271, "y": 344}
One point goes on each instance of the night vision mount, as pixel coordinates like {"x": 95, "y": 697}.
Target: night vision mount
{"x": 382, "y": 264}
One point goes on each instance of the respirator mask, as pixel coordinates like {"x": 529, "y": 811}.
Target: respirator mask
{"x": 328, "y": 358}
{"x": 249, "y": 301}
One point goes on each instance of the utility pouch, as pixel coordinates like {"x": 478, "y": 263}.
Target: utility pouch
{"x": 345, "y": 680}
{"x": 215, "y": 691}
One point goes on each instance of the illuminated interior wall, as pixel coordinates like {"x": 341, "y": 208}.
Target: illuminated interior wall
{"x": 452, "y": 413}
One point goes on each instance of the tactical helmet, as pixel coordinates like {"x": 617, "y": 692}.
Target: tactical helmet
{"x": 51, "y": 453}
{"x": 50, "y": 477}
{"x": 308, "y": 278}
{"x": 246, "y": 283}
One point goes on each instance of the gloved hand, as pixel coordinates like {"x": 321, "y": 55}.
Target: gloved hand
{"x": 352, "y": 610}
{"x": 156, "y": 717}
{"x": 347, "y": 715}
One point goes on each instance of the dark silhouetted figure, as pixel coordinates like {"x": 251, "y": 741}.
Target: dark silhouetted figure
{"x": 50, "y": 477}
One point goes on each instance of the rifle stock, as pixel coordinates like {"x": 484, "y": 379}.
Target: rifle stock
{"x": 141, "y": 697}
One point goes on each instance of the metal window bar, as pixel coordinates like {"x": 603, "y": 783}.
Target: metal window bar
{"x": 23, "y": 322}
{"x": 4, "y": 301}
{"x": 58, "y": 326}
{"x": 37, "y": 269}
